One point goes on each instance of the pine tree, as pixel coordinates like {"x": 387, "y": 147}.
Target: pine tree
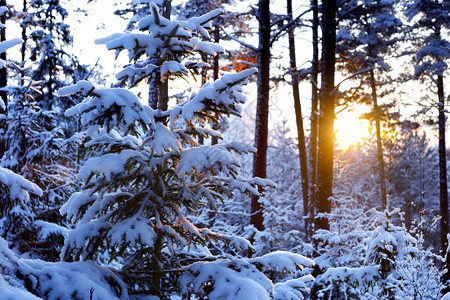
{"x": 148, "y": 173}
{"x": 431, "y": 63}
{"x": 369, "y": 35}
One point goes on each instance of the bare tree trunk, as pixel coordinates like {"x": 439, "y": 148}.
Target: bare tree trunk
{"x": 314, "y": 107}
{"x": 380, "y": 158}
{"x": 24, "y": 43}
{"x": 262, "y": 108}
{"x": 3, "y": 71}
{"x": 326, "y": 116}
{"x": 214, "y": 140}
{"x": 158, "y": 91}
{"x": 3, "y": 83}
{"x": 443, "y": 195}
{"x": 164, "y": 92}
{"x": 299, "y": 120}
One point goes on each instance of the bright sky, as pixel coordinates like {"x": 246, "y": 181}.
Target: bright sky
{"x": 100, "y": 21}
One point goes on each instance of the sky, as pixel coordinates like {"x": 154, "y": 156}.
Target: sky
{"x": 99, "y": 21}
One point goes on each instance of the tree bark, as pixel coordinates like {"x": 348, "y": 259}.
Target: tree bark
{"x": 24, "y": 43}
{"x": 376, "y": 108}
{"x": 262, "y": 108}
{"x": 326, "y": 116}
{"x": 314, "y": 107}
{"x": 3, "y": 83}
{"x": 3, "y": 71}
{"x": 158, "y": 92}
{"x": 299, "y": 121}
{"x": 214, "y": 140}
{"x": 380, "y": 157}
{"x": 443, "y": 195}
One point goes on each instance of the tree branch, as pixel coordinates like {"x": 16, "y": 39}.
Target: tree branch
{"x": 238, "y": 40}
{"x": 351, "y": 76}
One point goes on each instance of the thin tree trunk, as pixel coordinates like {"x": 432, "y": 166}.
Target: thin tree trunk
{"x": 158, "y": 91}
{"x": 3, "y": 71}
{"x": 262, "y": 108}
{"x": 380, "y": 157}
{"x": 326, "y": 116}
{"x": 24, "y": 43}
{"x": 153, "y": 85}
{"x": 443, "y": 195}
{"x": 157, "y": 259}
{"x": 299, "y": 120}
{"x": 3, "y": 83}
{"x": 164, "y": 93}
{"x": 214, "y": 140}
{"x": 314, "y": 107}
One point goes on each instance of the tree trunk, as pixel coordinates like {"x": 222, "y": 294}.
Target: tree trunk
{"x": 164, "y": 92}
{"x": 214, "y": 140}
{"x": 443, "y": 195}
{"x": 314, "y": 107}
{"x": 3, "y": 71}
{"x": 24, "y": 44}
{"x": 326, "y": 116}
{"x": 380, "y": 157}
{"x": 262, "y": 108}
{"x": 3, "y": 83}
{"x": 158, "y": 92}
{"x": 299, "y": 120}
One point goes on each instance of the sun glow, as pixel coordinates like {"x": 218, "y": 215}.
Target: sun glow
{"x": 350, "y": 130}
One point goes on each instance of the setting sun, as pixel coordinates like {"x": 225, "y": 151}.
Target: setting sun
{"x": 350, "y": 130}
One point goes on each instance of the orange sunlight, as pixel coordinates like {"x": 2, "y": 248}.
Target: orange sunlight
{"x": 350, "y": 130}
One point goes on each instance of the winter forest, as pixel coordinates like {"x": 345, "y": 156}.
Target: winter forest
{"x": 224, "y": 149}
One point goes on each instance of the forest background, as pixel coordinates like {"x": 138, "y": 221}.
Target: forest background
{"x": 128, "y": 172}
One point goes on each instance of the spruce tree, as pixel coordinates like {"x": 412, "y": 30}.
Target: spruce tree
{"x": 148, "y": 173}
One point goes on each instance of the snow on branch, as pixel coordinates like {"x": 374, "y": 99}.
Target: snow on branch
{"x": 19, "y": 187}
{"x": 224, "y": 92}
{"x": 282, "y": 261}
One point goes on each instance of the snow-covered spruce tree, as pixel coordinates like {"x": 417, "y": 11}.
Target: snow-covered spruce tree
{"x": 15, "y": 215}
{"x": 149, "y": 174}
{"x": 49, "y": 35}
{"x": 283, "y": 220}
{"x": 33, "y": 141}
{"x": 396, "y": 266}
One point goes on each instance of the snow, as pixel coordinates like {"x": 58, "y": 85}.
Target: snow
{"x": 83, "y": 86}
{"x": 107, "y": 165}
{"x": 9, "y": 43}
{"x": 56, "y": 280}
{"x": 172, "y": 67}
{"x": 95, "y": 108}
{"x": 3, "y": 9}
{"x": 282, "y": 261}
{"x": 133, "y": 229}
{"x": 77, "y": 279}
{"x": 198, "y": 23}
{"x": 164, "y": 140}
{"x": 232, "y": 280}
{"x": 47, "y": 228}
{"x": 200, "y": 159}
{"x": 358, "y": 276}
{"x": 9, "y": 292}
{"x": 78, "y": 237}
{"x": 19, "y": 187}
{"x": 206, "y": 47}
{"x": 223, "y": 92}
{"x": 293, "y": 289}
{"x": 72, "y": 207}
